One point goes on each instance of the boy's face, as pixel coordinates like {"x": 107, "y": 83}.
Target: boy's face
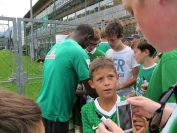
{"x": 104, "y": 81}
{"x": 156, "y": 19}
{"x": 139, "y": 55}
{"x": 113, "y": 41}
{"x": 92, "y": 45}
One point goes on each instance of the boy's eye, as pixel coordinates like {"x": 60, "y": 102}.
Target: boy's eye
{"x": 99, "y": 79}
{"x": 111, "y": 76}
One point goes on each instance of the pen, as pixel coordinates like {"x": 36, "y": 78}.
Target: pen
{"x": 102, "y": 118}
{"x": 144, "y": 80}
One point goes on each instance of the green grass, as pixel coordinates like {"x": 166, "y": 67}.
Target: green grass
{"x": 32, "y": 68}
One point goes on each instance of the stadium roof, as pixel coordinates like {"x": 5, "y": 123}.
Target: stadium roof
{"x": 37, "y": 6}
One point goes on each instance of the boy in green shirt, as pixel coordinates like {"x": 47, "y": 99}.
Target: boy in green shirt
{"x": 103, "y": 77}
{"x": 143, "y": 53}
{"x": 103, "y": 45}
{"x": 92, "y": 50}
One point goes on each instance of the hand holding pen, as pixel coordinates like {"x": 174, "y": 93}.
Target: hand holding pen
{"x": 144, "y": 85}
{"x": 107, "y": 126}
{"x": 111, "y": 125}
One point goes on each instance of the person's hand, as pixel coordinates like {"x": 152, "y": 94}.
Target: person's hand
{"x": 144, "y": 87}
{"x": 79, "y": 87}
{"x": 130, "y": 95}
{"x": 119, "y": 87}
{"x": 113, "y": 127}
{"x": 140, "y": 124}
{"x": 143, "y": 106}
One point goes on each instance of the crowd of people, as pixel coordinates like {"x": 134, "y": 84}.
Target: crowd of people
{"x": 82, "y": 68}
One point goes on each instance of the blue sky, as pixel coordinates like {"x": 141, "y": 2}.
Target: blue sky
{"x": 15, "y": 8}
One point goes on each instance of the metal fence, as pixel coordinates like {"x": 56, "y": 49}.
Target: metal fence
{"x": 24, "y": 44}
{"x": 20, "y": 69}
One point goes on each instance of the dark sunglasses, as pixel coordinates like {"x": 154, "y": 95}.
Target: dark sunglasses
{"x": 154, "y": 124}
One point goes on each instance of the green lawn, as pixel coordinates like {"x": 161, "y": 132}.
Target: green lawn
{"x": 32, "y": 68}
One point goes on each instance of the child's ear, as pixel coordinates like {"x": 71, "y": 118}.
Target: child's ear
{"x": 91, "y": 83}
{"x": 146, "y": 52}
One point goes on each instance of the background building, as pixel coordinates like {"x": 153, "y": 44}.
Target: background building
{"x": 95, "y": 12}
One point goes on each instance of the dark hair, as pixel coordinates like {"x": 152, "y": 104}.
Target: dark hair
{"x": 18, "y": 114}
{"x": 114, "y": 27}
{"x": 143, "y": 45}
{"x": 85, "y": 29}
{"x": 100, "y": 62}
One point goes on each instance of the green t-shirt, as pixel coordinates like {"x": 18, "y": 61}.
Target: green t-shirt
{"x": 143, "y": 73}
{"x": 95, "y": 55}
{"x": 163, "y": 77}
{"x": 90, "y": 120}
{"x": 64, "y": 66}
{"x": 173, "y": 128}
{"x": 103, "y": 46}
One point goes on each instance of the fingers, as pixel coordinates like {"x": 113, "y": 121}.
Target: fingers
{"x": 143, "y": 89}
{"x": 136, "y": 101}
{"x": 113, "y": 127}
{"x": 142, "y": 130}
{"x": 102, "y": 129}
{"x": 140, "y": 122}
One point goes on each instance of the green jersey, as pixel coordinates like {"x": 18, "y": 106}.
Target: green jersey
{"x": 96, "y": 54}
{"x": 144, "y": 75}
{"x": 173, "y": 127}
{"x": 103, "y": 46}
{"x": 64, "y": 66}
{"x": 90, "y": 119}
{"x": 163, "y": 77}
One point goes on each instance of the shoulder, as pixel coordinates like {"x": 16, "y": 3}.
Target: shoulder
{"x": 109, "y": 51}
{"x": 88, "y": 106}
{"x": 172, "y": 55}
{"x": 128, "y": 50}
{"x": 100, "y": 52}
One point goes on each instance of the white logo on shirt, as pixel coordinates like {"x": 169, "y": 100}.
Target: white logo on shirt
{"x": 51, "y": 55}
{"x": 88, "y": 62}
{"x": 94, "y": 128}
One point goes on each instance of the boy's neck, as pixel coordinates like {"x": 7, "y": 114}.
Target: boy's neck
{"x": 107, "y": 104}
{"x": 104, "y": 40}
{"x": 120, "y": 47}
{"x": 148, "y": 62}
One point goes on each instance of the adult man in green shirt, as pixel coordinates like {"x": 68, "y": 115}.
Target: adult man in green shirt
{"x": 64, "y": 66}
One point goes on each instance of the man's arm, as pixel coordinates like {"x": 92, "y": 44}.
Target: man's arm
{"x": 90, "y": 91}
{"x": 131, "y": 81}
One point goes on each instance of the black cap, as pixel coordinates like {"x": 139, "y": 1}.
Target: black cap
{"x": 137, "y": 36}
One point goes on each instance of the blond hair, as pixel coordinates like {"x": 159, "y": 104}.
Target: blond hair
{"x": 103, "y": 34}
{"x": 96, "y": 34}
